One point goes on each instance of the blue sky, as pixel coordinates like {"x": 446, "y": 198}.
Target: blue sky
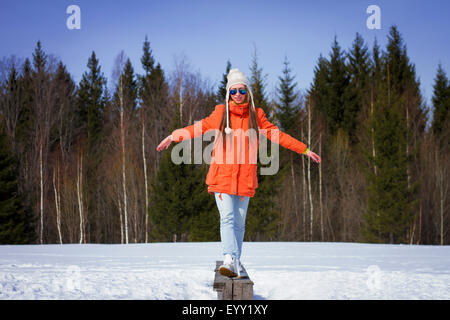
{"x": 210, "y": 32}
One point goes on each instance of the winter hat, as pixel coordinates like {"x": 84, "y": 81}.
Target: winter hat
{"x": 235, "y": 77}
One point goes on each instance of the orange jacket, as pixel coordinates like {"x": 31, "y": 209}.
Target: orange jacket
{"x": 236, "y": 177}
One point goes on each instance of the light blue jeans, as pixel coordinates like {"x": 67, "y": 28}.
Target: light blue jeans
{"x": 232, "y": 212}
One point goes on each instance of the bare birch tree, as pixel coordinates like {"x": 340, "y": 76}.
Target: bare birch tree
{"x": 80, "y": 195}
{"x": 120, "y": 62}
{"x": 304, "y": 193}
{"x": 144, "y": 161}
{"x": 56, "y": 186}
{"x": 311, "y": 206}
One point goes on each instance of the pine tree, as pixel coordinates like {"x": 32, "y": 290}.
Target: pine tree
{"x": 147, "y": 59}
{"x": 441, "y": 105}
{"x": 64, "y": 131}
{"x": 376, "y": 65}
{"x": 152, "y": 85}
{"x": 92, "y": 102}
{"x": 331, "y": 91}
{"x": 180, "y": 207}
{"x": 388, "y": 214}
{"x": 168, "y": 216}
{"x": 263, "y": 213}
{"x": 290, "y": 117}
{"x": 153, "y": 94}
{"x": 320, "y": 86}
{"x": 319, "y": 91}
{"x": 26, "y": 117}
{"x": 336, "y": 96}
{"x": 392, "y": 187}
{"x": 358, "y": 90}
{"x": 257, "y": 83}
{"x": 288, "y": 107}
{"x": 222, "y": 90}
{"x": 366, "y": 145}
{"x": 205, "y": 223}
{"x": 338, "y": 88}
{"x": 39, "y": 59}
{"x": 156, "y": 118}
{"x": 16, "y": 224}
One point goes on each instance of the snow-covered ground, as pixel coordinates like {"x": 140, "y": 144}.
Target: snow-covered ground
{"x": 280, "y": 270}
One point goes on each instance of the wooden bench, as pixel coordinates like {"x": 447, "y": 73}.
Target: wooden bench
{"x": 232, "y": 288}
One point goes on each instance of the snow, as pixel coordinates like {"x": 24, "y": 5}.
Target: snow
{"x": 181, "y": 271}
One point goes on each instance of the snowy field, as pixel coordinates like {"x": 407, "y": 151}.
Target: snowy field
{"x": 280, "y": 270}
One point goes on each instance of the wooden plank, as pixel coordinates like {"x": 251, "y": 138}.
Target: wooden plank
{"x": 242, "y": 289}
{"x": 246, "y": 290}
{"x": 232, "y": 288}
{"x": 227, "y": 292}
{"x": 237, "y": 290}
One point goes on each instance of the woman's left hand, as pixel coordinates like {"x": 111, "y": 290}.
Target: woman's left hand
{"x": 165, "y": 143}
{"x": 313, "y": 156}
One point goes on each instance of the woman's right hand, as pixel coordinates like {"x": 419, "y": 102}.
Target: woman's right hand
{"x": 165, "y": 143}
{"x": 313, "y": 156}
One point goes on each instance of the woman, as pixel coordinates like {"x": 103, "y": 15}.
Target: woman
{"x": 233, "y": 182}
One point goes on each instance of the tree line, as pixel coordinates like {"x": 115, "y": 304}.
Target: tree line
{"x": 78, "y": 161}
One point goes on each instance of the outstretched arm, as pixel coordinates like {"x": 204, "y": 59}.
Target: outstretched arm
{"x": 188, "y": 132}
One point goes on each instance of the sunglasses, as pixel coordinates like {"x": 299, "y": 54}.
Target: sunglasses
{"x": 241, "y": 91}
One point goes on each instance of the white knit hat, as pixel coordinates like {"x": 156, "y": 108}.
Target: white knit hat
{"x": 235, "y": 77}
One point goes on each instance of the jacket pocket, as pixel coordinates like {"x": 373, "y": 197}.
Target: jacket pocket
{"x": 224, "y": 171}
{"x": 211, "y": 177}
